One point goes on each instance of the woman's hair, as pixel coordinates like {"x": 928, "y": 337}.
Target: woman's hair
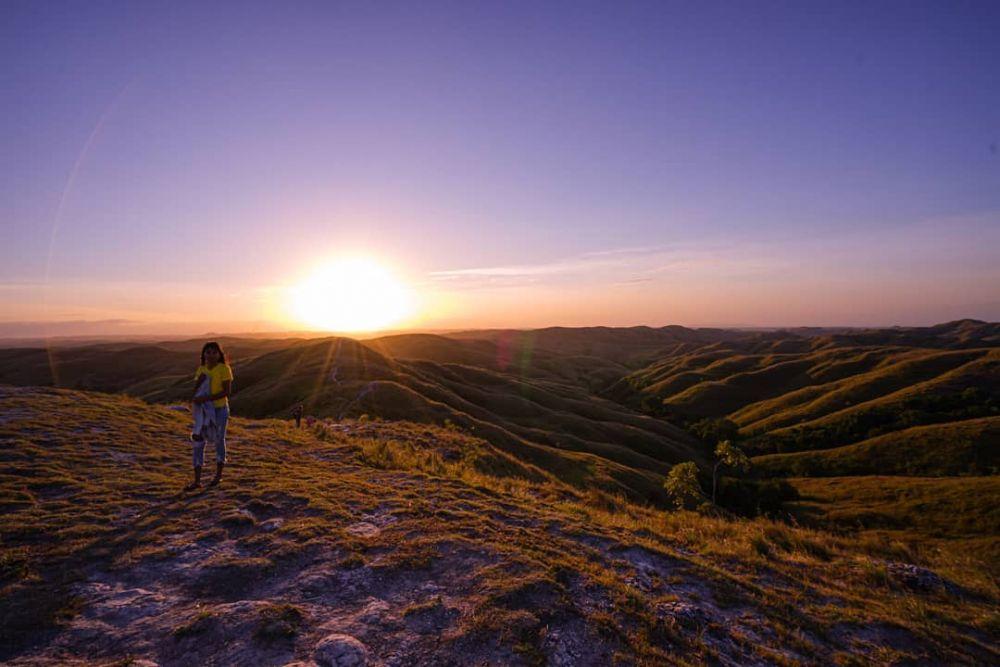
{"x": 208, "y": 346}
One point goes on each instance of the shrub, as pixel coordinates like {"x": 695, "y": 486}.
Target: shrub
{"x": 280, "y": 621}
{"x": 682, "y": 485}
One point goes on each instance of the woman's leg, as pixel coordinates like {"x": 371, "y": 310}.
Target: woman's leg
{"x": 198, "y": 460}
{"x": 221, "y": 419}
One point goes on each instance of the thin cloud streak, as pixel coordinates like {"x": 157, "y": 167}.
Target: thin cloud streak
{"x": 821, "y": 259}
{"x": 613, "y": 266}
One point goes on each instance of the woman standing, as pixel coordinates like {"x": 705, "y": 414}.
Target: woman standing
{"x": 215, "y": 366}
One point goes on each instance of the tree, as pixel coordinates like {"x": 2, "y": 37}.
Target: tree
{"x": 682, "y": 484}
{"x": 728, "y": 454}
{"x": 714, "y": 431}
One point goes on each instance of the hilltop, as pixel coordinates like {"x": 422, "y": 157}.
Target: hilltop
{"x": 397, "y": 543}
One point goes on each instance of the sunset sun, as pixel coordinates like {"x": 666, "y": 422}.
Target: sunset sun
{"x": 355, "y": 294}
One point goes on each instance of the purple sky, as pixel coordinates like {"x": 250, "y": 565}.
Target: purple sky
{"x": 517, "y": 164}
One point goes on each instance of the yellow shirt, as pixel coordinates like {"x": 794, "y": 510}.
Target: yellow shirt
{"x": 217, "y": 375}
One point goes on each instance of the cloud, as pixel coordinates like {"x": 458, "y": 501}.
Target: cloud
{"x": 607, "y": 260}
{"x": 615, "y": 252}
{"x": 516, "y": 270}
{"x": 634, "y": 281}
{"x": 616, "y": 266}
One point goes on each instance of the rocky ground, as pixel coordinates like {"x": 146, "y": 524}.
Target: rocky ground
{"x": 315, "y": 552}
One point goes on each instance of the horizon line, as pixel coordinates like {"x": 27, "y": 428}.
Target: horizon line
{"x": 313, "y": 333}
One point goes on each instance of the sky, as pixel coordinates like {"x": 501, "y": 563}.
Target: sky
{"x": 169, "y": 167}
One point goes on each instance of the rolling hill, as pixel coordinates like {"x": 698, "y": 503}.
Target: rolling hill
{"x": 834, "y": 414}
{"x": 828, "y": 393}
{"x": 968, "y": 447}
{"x": 614, "y": 409}
{"x": 591, "y": 440}
{"x": 533, "y": 410}
{"x": 951, "y": 513}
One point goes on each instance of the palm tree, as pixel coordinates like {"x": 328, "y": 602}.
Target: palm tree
{"x": 727, "y": 454}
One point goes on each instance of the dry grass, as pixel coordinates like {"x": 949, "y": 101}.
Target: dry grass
{"x": 92, "y": 483}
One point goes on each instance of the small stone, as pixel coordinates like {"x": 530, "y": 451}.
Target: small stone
{"x": 917, "y": 578}
{"x": 272, "y": 525}
{"x": 340, "y": 651}
{"x": 374, "y": 612}
{"x": 363, "y": 529}
{"x": 682, "y": 611}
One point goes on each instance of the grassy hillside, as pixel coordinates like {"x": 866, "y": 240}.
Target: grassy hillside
{"x": 956, "y": 334}
{"x": 589, "y": 372}
{"x": 146, "y": 370}
{"x": 967, "y": 391}
{"x": 594, "y": 440}
{"x": 614, "y": 408}
{"x": 970, "y": 447}
{"x": 403, "y": 543}
{"x": 538, "y": 407}
{"x": 826, "y": 397}
{"x": 844, "y": 408}
{"x": 628, "y": 346}
{"x": 97, "y": 368}
{"x": 954, "y": 512}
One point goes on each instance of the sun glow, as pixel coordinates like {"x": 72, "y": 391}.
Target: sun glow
{"x": 355, "y": 294}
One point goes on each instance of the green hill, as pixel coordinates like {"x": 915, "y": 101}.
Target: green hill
{"x": 628, "y": 346}
{"x": 966, "y": 391}
{"x": 835, "y": 411}
{"x": 970, "y": 447}
{"x": 960, "y": 512}
{"x": 826, "y": 397}
{"x": 589, "y": 372}
{"x": 537, "y": 419}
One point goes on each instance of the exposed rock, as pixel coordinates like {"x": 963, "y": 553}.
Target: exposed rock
{"x": 376, "y": 612}
{"x": 430, "y": 618}
{"x": 561, "y": 648}
{"x": 918, "y": 578}
{"x": 363, "y": 529}
{"x": 272, "y": 525}
{"x": 684, "y": 612}
{"x": 340, "y": 651}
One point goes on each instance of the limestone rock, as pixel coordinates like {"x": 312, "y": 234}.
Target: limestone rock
{"x": 340, "y": 651}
